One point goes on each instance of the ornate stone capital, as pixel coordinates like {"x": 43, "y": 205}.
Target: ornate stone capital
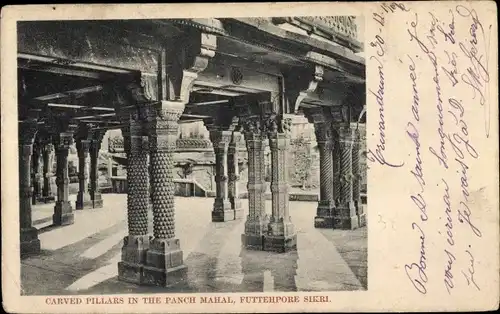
{"x": 252, "y": 125}
{"x": 220, "y": 139}
{"x": 164, "y": 124}
{"x": 275, "y": 123}
{"x": 63, "y": 140}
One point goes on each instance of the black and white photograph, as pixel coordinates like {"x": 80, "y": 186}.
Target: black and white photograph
{"x": 192, "y": 155}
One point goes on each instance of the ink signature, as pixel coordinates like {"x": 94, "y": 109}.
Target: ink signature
{"x": 477, "y": 76}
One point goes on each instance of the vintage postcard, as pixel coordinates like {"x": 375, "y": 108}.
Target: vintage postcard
{"x": 270, "y": 157}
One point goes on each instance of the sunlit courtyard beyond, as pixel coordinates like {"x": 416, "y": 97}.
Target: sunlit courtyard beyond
{"x": 82, "y": 258}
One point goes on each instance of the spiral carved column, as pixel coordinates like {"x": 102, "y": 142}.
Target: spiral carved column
{"x": 356, "y": 171}
{"x": 136, "y": 244}
{"x": 326, "y": 204}
{"x": 281, "y": 235}
{"x": 233, "y": 175}
{"x": 164, "y": 259}
{"x": 83, "y": 199}
{"x": 222, "y": 206}
{"x": 29, "y": 242}
{"x": 95, "y": 146}
{"x": 336, "y": 165}
{"x": 257, "y": 219}
{"x": 346, "y": 217}
{"x": 48, "y": 157}
{"x": 63, "y": 212}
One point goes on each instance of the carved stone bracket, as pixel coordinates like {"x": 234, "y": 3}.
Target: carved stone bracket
{"x": 208, "y": 46}
{"x": 305, "y": 89}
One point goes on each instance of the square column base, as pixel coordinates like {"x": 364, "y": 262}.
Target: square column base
{"x": 97, "y": 201}
{"x": 255, "y": 228}
{"x": 346, "y": 223}
{"x": 252, "y": 242}
{"x": 30, "y": 244}
{"x": 323, "y": 222}
{"x": 222, "y": 215}
{"x": 134, "y": 249}
{"x": 164, "y": 263}
{"x": 280, "y": 244}
{"x": 63, "y": 214}
{"x": 84, "y": 201}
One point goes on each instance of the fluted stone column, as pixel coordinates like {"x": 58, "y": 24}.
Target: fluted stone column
{"x": 37, "y": 182}
{"x": 136, "y": 243}
{"x": 222, "y": 206}
{"x": 83, "y": 198}
{"x": 63, "y": 212}
{"x": 164, "y": 259}
{"x": 233, "y": 175}
{"x": 346, "y": 217}
{"x": 48, "y": 157}
{"x": 29, "y": 242}
{"x": 257, "y": 219}
{"x": 281, "y": 235}
{"x": 326, "y": 204}
{"x": 95, "y": 146}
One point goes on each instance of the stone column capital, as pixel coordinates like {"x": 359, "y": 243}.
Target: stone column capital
{"x": 163, "y": 124}
{"x": 63, "y": 140}
{"x": 277, "y": 124}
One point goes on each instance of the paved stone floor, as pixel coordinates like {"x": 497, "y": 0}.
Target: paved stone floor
{"x": 82, "y": 258}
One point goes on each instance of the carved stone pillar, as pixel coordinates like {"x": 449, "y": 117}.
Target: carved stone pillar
{"x": 281, "y": 235}
{"x": 28, "y": 234}
{"x": 164, "y": 259}
{"x": 336, "y": 166}
{"x": 222, "y": 207}
{"x": 83, "y": 198}
{"x": 257, "y": 219}
{"x": 63, "y": 212}
{"x": 326, "y": 205}
{"x": 233, "y": 175}
{"x": 37, "y": 182}
{"x": 48, "y": 160}
{"x": 95, "y": 146}
{"x": 345, "y": 217}
{"x": 356, "y": 171}
{"x": 136, "y": 243}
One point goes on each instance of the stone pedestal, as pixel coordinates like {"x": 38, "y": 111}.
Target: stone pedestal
{"x": 281, "y": 235}
{"x": 63, "y": 212}
{"x": 222, "y": 210}
{"x": 345, "y": 216}
{"x": 164, "y": 259}
{"x": 136, "y": 243}
{"x": 29, "y": 242}
{"x": 233, "y": 174}
{"x": 83, "y": 199}
{"x": 48, "y": 157}
{"x": 257, "y": 219}
{"x": 326, "y": 204}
